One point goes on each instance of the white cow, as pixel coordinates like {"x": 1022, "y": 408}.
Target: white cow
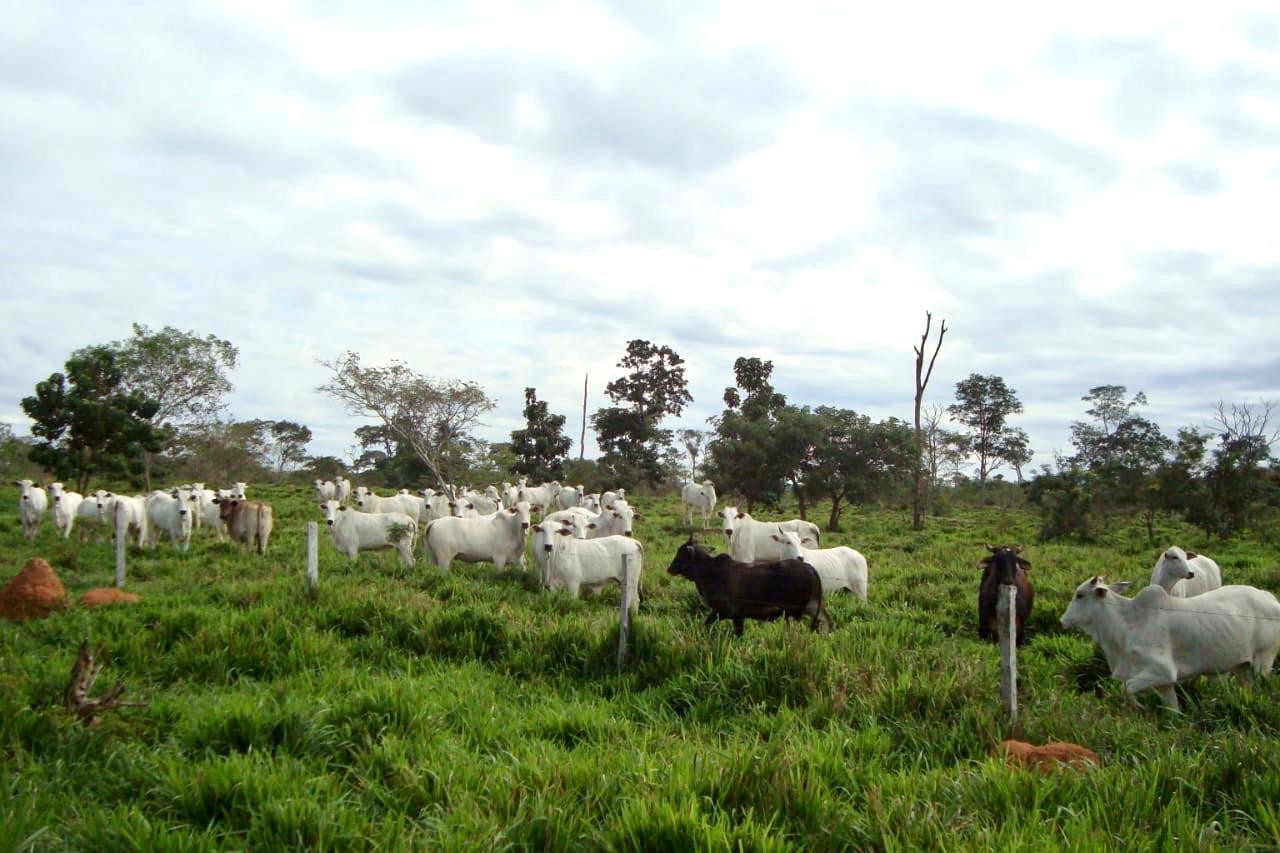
{"x": 607, "y": 499}
{"x": 211, "y": 513}
{"x": 342, "y": 490}
{"x": 569, "y": 497}
{"x": 474, "y": 506}
{"x": 326, "y": 490}
{"x": 591, "y": 502}
{"x": 749, "y": 540}
{"x": 575, "y": 563}
{"x": 698, "y": 496}
{"x": 540, "y": 537}
{"x": 32, "y": 503}
{"x": 172, "y": 513}
{"x": 544, "y": 495}
{"x": 131, "y": 517}
{"x": 65, "y": 504}
{"x": 354, "y": 532}
{"x": 618, "y": 521}
{"x": 510, "y": 495}
{"x": 1185, "y": 573}
{"x": 498, "y": 538}
{"x": 367, "y": 501}
{"x": 1156, "y": 640}
{"x": 96, "y": 515}
{"x": 839, "y": 568}
{"x": 238, "y": 490}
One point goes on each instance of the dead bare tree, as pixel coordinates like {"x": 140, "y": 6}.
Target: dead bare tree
{"x": 76, "y": 695}
{"x": 922, "y": 381}
{"x": 427, "y": 415}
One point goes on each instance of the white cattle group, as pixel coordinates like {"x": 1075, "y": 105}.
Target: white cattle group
{"x": 748, "y": 540}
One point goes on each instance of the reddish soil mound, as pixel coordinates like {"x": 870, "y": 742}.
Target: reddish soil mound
{"x": 108, "y": 595}
{"x": 1049, "y": 757}
{"x": 33, "y": 593}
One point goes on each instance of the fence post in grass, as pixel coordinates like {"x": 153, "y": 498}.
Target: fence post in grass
{"x": 624, "y": 615}
{"x": 313, "y": 558}
{"x": 120, "y": 543}
{"x": 1007, "y": 630}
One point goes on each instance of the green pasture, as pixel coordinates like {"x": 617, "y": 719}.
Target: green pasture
{"x": 407, "y": 708}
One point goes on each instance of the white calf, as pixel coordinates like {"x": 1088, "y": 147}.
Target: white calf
{"x": 354, "y": 532}
{"x": 32, "y": 503}
{"x": 839, "y": 568}
{"x": 1185, "y": 573}
{"x": 367, "y": 501}
{"x": 65, "y": 505}
{"x": 131, "y": 517}
{"x": 750, "y": 540}
{"x": 575, "y": 563}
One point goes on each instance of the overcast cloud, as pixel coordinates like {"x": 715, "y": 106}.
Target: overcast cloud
{"x": 508, "y": 193}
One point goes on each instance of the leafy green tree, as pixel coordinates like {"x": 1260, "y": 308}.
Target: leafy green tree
{"x": 744, "y": 457}
{"x": 541, "y": 448}
{"x": 288, "y": 447}
{"x": 224, "y": 451}
{"x": 1015, "y": 451}
{"x": 427, "y": 416}
{"x": 857, "y": 459}
{"x": 983, "y": 403}
{"x": 694, "y": 442}
{"x": 87, "y": 422}
{"x": 184, "y": 373}
{"x": 631, "y": 437}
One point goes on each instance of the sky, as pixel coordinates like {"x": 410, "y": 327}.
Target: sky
{"x": 508, "y": 192}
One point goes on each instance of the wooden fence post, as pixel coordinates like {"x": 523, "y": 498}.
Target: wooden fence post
{"x": 624, "y": 615}
{"x": 313, "y": 558}
{"x": 120, "y": 545}
{"x": 1007, "y": 630}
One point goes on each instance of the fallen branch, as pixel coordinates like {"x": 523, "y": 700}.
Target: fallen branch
{"x": 76, "y": 696}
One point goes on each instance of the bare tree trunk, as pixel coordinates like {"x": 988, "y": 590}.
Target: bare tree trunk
{"x": 917, "y": 496}
{"x": 582, "y": 442}
{"x": 833, "y": 523}
{"x": 799, "y": 493}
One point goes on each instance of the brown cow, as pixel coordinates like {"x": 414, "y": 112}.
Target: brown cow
{"x": 248, "y": 522}
{"x": 1003, "y": 567}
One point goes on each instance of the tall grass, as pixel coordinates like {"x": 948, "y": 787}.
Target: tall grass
{"x": 409, "y": 708}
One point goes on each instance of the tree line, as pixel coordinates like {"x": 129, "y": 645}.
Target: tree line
{"x": 153, "y": 406}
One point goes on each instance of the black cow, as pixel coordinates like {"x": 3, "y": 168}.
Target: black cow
{"x": 1004, "y": 566}
{"x": 763, "y": 590}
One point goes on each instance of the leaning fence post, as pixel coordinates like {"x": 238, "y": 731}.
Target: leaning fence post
{"x": 120, "y": 543}
{"x": 313, "y": 559}
{"x": 624, "y": 614}
{"x": 1007, "y": 630}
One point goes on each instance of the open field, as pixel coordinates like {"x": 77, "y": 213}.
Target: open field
{"x": 405, "y": 708}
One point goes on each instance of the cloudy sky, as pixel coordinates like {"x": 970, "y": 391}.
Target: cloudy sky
{"x": 508, "y": 192}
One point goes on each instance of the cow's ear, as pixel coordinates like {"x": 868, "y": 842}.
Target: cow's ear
{"x": 591, "y": 526}
{"x": 322, "y": 507}
{"x": 1100, "y": 591}
{"x": 1023, "y": 564}
{"x": 1120, "y": 586}
{"x": 637, "y": 517}
{"x": 342, "y": 509}
{"x": 741, "y": 515}
{"x": 1191, "y": 555}
{"x": 216, "y": 500}
{"x": 563, "y": 532}
{"x": 537, "y": 528}
{"x": 984, "y": 563}
{"x": 775, "y": 537}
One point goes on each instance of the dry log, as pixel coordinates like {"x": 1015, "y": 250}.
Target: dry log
{"x": 76, "y": 696}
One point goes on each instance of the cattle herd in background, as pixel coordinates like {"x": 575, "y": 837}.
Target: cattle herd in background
{"x": 1184, "y": 624}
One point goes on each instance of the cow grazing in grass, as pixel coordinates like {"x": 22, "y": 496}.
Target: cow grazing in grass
{"x": 761, "y": 590}
{"x": 1156, "y": 640}
{"x": 1004, "y": 567}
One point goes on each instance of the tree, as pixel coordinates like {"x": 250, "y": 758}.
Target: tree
{"x": 856, "y": 458}
{"x": 541, "y": 448}
{"x": 1237, "y": 478}
{"x": 225, "y": 451}
{"x": 183, "y": 373}
{"x": 694, "y": 441}
{"x": 744, "y": 457}
{"x": 1015, "y": 451}
{"x": 427, "y": 415}
{"x": 922, "y": 382}
{"x": 944, "y": 450}
{"x": 288, "y": 446}
{"x": 631, "y": 438}
{"x": 86, "y": 420}
{"x": 1098, "y": 444}
{"x": 983, "y": 404}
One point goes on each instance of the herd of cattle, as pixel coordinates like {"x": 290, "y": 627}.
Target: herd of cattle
{"x": 1184, "y": 624}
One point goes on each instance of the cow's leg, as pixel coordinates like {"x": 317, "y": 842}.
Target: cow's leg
{"x": 711, "y": 619}
{"x": 737, "y": 626}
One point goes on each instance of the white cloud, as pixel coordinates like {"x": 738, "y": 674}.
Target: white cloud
{"x": 509, "y": 193}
